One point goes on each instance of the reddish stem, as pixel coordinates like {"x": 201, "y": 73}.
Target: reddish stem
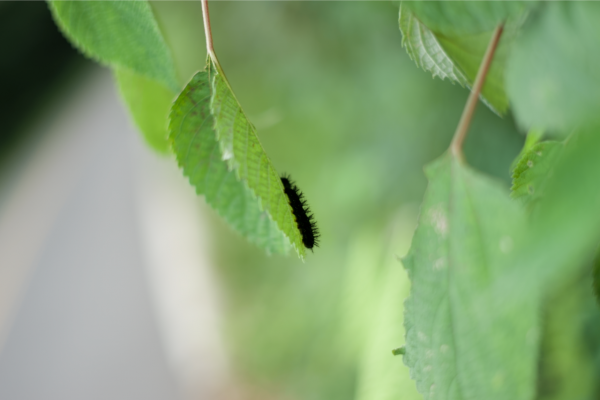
{"x": 207, "y": 31}
{"x": 465, "y": 120}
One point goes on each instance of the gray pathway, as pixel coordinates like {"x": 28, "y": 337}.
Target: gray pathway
{"x": 83, "y": 327}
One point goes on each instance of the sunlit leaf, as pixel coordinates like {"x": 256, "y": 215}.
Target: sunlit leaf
{"x": 121, "y": 34}
{"x": 198, "y": 154}
{"x": 149, "y": 103}
{"x": 462, "y": 341}
{"x": 381, "y": 375}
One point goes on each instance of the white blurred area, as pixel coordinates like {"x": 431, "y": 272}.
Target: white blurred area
{"x": 106, "y": 288}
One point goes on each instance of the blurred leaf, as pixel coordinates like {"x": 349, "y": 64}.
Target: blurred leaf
{"x": 197, "y": 152}
{"x": 458, "y": 18}
{"x": 360, "y": 287}
{"x": 553, "y": 76}
{"x": 533, "y": 169}
{"x": 382, "y": 376}
{"x": 566, "y": 227}
{"x": 596, "y": 279}
{"x": 456, "y": 54}
{"x": 149, "y": 103}
{"x": 567, "y": 367}
{"x": 533, "y": 137}
{"x": 244, "y": 154}
{"x": 121, "y": 34}
{"x": 461, "y": 341}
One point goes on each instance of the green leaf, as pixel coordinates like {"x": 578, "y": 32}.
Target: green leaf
{"x": 566, "y": 227}
{"x": 569, "y": 346}
{"x": 458, "y": 18}
{"x": 453, "y": 54}
{"x": 533, "y": 137}
{"x": 532, "y": 171}
{"x": 198, "y": 154}
{"x": 553, "y": 75}
{"x": 381, "y": 375}
{"x": 596, "y": 279}
{"x": 375, "y": 286}
{"x": 244, "y": 154}
{"x": 149, "y": 103}
{"x": 425, "y": 50}
{"x": 463, "y": 340}
{"x": 565, "y": 230}
{"x": 121, "y": 34}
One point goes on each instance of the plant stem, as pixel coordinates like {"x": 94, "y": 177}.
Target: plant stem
{"x": 465, "y": 120}
{"x": 207, "y": 31}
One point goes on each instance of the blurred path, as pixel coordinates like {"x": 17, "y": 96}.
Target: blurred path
{"x": 77, "y": 316}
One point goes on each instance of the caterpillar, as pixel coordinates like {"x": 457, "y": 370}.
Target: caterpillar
{"x": 305, "y": 220}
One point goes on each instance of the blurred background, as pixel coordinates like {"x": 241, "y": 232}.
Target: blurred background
{"x": 117, "y": 281}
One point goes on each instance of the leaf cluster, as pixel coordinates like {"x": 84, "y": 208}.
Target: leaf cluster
{"x": 495, "y": 274}
{"x": 488, "y": 267}
{"x": 213, "y": 141}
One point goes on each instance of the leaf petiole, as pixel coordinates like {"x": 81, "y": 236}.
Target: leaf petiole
{"x": 465, "y": 120}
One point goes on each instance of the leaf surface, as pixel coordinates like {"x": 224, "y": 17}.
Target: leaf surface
{"x": 532, "y": 171}
{"x": 244, "y": 154}
{"x": 149, "y": 103}
{"x": 565, "y": 230}
{"x": 553, "y": 75}
{"x": 596, "y": 280}
{"x": 121, "y": 34}
{"x": 570, "y": 343}
{"x": 463, "y": 342}
{"x": 198, "y": 154}
{"x": 449, "y": 39}
{"x": 457, "y": 18}
{"x": 425, "y": 50}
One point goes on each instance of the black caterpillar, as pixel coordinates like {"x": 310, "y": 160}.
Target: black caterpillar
{"x": 304, "y": 218}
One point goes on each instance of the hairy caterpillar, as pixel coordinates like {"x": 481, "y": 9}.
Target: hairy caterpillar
{"x": 304, "y": 218}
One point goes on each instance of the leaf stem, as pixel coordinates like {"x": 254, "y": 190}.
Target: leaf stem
{"x": 465, "y": 120}
{"x": 207, "y": 31}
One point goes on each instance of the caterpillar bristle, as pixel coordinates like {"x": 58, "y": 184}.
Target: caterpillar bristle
{"x": 305, "y": 219}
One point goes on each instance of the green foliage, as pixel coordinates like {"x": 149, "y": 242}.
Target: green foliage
{"x": 121, "y": 34}
{"x": 450, "y": 39}
{"x": 382, "y": 376}
{"x": 149, "y": 103}
{"x": 125, "y": 36}
{"x": 564, "y": 233}
{"x": 425, "y": 50}
{"x": 596, "y": 279}
{"x": 569, "y": 343}
{"x": 244, "y": 154}
{"x": 533, "y": 170}
{"x": 462, "y": 340}
{"x": 459, "y": 18}
{"x": 553, "y": 77}
{"x": 497, "y": 309}
{"x": 198, "y": 154}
